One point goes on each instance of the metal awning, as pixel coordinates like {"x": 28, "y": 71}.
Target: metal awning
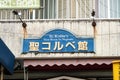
{"x": 7, "y": 59}
{"x": 67, "y": 62}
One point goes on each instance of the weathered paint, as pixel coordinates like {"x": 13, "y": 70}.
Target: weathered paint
{"x": 107, "y": 43}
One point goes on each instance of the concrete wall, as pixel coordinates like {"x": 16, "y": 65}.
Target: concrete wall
{"x": 107, "y": 43}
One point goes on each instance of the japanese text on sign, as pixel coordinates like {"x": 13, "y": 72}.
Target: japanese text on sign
{"x": 59, "y": 41}
{"x": 34, "y": 46}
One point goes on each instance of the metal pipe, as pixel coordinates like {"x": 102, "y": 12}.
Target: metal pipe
{"x": 1, "y": 76}
{"x": 24, "y": 74}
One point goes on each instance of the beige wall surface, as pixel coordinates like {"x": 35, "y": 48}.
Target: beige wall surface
{"x": 107, "y": 41}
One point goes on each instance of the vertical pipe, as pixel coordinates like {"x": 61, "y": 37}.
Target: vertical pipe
{"x": 53, "y": 9}
{"x": 57, "y": 10}
{"x": 96, "y": 8}
{"x": 24, "y": 74}
{"x": 71, "y": 4}
{"x": 1, "y": 76}
{"x": 108, "y": 9}
{"x": 29, "y": 13}
{"x": 117, "y": 9}
{"x": 1, "y": 14}
{"x": 68, "y": 9}
{"x": 62, "y": 9}
{"x": 33, "y": 15}
{"x": 43, "y": 9}
{"x": 48, "y": 9}
{"x": 76, "y": 8}
{"x": 85, "y": 7}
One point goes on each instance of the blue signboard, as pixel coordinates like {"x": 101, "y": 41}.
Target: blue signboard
{"x": 58, "y": 40}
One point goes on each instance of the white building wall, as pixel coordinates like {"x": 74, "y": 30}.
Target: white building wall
{"x": 107, "y": 43}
